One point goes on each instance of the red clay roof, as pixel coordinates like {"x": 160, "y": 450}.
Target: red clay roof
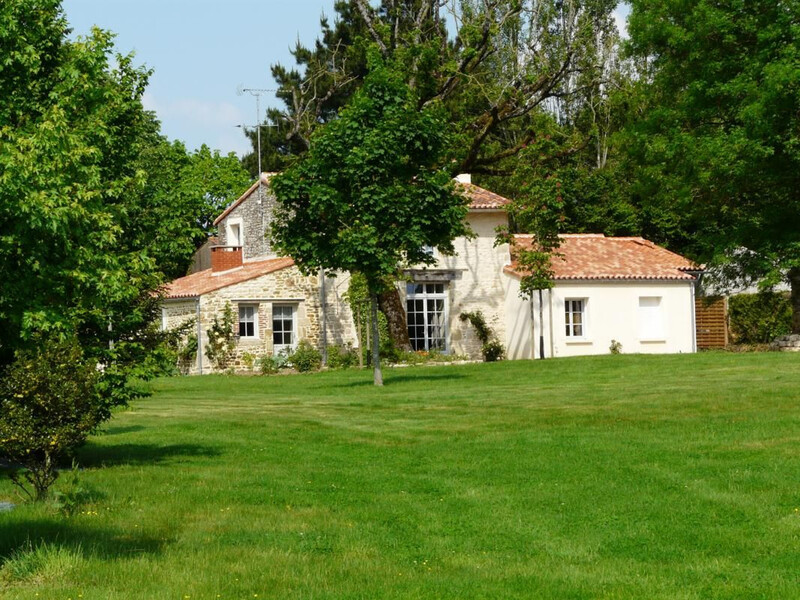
{"x": 481, "y": 199}
{"x": 264, "y": 179}
{"x": 594, "y": 256}
{"x": 204, "y": 282}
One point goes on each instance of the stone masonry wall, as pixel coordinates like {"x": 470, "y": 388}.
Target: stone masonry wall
{"x": 287, "y": 286}
{"x": 176, "y": 312}
{"x": 341, "y": 329}
{"x": 256, "y": 220}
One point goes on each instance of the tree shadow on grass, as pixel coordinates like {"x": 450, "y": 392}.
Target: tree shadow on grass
{"x": 394, "y": 379}
{"x": 82, "y": 539}
{"x": 95, "y": 455}
{"x": 121, "y": 429}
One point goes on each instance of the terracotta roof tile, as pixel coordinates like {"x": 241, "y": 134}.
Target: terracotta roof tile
{"x": 481, "y": 199}
{"x": 204, "y": 282}
{"x": 594, "y": 256}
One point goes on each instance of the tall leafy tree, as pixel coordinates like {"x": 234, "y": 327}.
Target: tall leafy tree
{"x": 180, "y": 194}
{"x": 494, "y": 66}
{"x": 721, "y": 140}
{"x": 373, "y": 189}
{"x": 71, "y": 128}
{"x": 491, "y": 63}
{"x": 96, "y": 208}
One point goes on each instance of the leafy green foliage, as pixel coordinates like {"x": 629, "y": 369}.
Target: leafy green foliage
{"x": 271, "y": 364}
{"x": 493, "y": 351}
{"x": 342, "y": 357}
{"x": 759, "y": 318}
{"x": 306, "y": 357}
{"x": 96, "y": 208}
{"x": 538, "y": 210}
{"x": 491, "y": 348}
{"x": 493, "y": 66}
{"x": 371, "y": 191}
{"x": 221, "y": 339}
{"x": 180, "y": 195}
{"x": 50, "y": 401}
{"x": 721, "y": 138}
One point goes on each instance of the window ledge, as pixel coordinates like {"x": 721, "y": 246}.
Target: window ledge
{"x": 653, "y": 341}
{"x": 578, "y": 341}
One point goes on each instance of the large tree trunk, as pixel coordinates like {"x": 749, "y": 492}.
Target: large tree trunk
{"x": 395, "y": 312}
{"x": 794, "y": 280}
{"x": 376, "y": 346}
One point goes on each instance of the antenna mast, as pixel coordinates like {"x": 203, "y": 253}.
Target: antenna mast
{"x": 257, "y": 92}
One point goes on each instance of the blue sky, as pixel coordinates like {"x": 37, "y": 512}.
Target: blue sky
{"x": 201, "y": 50}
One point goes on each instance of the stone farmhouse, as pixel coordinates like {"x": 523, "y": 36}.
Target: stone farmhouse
{"x": 623, "y": 289}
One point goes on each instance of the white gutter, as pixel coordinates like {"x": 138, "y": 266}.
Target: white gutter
{"x": 550, "y": 302}
{"x": 199, "y": 339}
{"x": 694, "y": 319}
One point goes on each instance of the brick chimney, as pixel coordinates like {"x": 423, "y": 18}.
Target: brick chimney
{"x": 225, "y": 258}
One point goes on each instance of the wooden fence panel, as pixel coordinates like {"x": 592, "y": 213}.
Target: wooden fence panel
{"x": 711, "y": 318}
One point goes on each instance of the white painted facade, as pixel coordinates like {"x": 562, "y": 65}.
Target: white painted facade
{"x": 473, "y": 280}
{"x": 647, "y": 317}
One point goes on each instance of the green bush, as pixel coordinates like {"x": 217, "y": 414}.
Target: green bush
{"x": 306, "y": 357}
{"x": 269, "y": 365}
{"x": 759, "y": 318}
{"x": 493, "y": 351}
{"x": 51, "y": 399}
{"x": 342, "y": 357}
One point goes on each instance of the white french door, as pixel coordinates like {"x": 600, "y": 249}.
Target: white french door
{"x": 426, "y": 311}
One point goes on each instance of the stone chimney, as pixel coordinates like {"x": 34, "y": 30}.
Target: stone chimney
{"x": 225, "y": 258}
{"x": 464, "y": 178}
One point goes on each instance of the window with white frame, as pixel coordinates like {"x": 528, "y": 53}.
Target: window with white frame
{"x": 234, "y": 232}
{"x": 651, "y": 318}
{"x": 426, "y": 311}
{"x": 575, "y": 317}
{"x": 283, "y": 327}
{"x": 248, "y": 321}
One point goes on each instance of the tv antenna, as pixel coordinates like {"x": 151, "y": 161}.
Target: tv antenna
{"x": 257, "y": 92}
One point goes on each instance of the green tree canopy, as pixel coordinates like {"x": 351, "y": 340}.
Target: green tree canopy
{"x": 493, "y": 65}
{"x": 374, "y": 187}
{"x": 721, "y": 140}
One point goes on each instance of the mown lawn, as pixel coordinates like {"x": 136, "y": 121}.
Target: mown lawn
{"x": 608, "y": 477}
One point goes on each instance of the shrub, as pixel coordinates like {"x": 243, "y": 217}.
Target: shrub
{"x": 51, "y": 399}
{"x": 615, "y": 347}
{"x": 268, "y": 365}
{"x": 187, "y": 353}
{"x": 493, "y": 351}
{"x": 342, "y": 357}
{"x": 759, "y": 318}
{"x": 249, "y": 360}
{"x": 306, "y": 357}
{"x": 221, "y": 339}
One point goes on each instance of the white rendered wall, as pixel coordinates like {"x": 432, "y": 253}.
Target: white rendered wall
{"x": 479, "y": 284}
{"x": 611, "y": 313}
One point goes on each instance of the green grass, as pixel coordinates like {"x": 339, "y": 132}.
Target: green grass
{"x": 608, "y": 477}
